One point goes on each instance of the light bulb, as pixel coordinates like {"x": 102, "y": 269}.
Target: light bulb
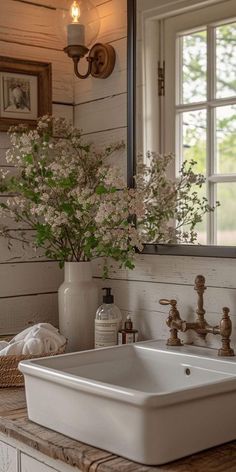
{"x": 75, "y": 12}
{"x": 75, "y": 30}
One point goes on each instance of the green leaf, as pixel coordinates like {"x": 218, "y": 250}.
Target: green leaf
{"x": 43, "y": 233}
{"x": 66, "y": 183}
{"x": 129, "y": 264}
{"x": 67, "y": 208}
{"x": 101, "y": 189}
{"x": 28, "y": 159}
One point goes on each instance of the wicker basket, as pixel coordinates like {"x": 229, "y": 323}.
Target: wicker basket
{"x": 10, "y": 376}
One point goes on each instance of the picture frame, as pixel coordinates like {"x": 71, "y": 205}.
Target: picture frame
{"x": 25, "y": 91}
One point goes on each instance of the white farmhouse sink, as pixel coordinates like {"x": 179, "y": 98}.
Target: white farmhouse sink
{"x": 146, "y": 402}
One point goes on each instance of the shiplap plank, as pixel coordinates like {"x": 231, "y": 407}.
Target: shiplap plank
{"x": 29, "y": 278}
{"x": 92, "y": 89}
{"x": 17, "y": 313}
{"x": 100, "y": 2}
{"x": 113, "y": 17}
{"x": 19, "y": 252}
{"x": 49, "y": 3}
{"x": 2, "y": 154}
{"x": 62, "y": 67}
{"x": 172, "y": 270}
{"x": 4, "y": 140}
{"x": 105, "y": 114}
{"x": 105, "y": 138}
{"x": 65, "y": 111}
{"x": 29, "y": 24}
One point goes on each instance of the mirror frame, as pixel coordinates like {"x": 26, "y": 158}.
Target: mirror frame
{"x": 159, "y": 249}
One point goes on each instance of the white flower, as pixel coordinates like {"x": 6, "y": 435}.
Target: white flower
{"x": 4, "y": 173}
{"x": 45, "y": 197}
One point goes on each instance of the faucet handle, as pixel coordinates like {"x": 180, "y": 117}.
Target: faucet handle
{"x": 225, "y": 332}
{"x": 164, "y": 301}
{"x": 173, "y": 322}
{"x": 225, "y": 324}
{"x": 199, "y": 283}
{"x": 174, "y": 313}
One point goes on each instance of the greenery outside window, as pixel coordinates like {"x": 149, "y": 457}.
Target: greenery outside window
{"x": 200, "y": 48}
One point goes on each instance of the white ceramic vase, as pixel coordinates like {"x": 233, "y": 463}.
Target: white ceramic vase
{"x": 78, "y": 302}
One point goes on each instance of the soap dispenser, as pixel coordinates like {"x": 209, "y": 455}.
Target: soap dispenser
{"x": 108, "y": 321}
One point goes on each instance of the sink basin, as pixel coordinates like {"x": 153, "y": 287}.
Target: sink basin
{"x": 147, "y": 402}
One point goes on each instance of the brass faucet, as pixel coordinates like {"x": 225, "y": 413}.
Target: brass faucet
{"x": 200, "y": 326}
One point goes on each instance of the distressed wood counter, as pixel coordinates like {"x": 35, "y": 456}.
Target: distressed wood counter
{"x": 15, "y": 426}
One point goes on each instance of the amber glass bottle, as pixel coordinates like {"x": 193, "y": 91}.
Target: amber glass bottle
{"x": 128, "y": 335}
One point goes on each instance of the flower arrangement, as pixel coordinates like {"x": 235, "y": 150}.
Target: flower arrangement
{"x": 67, "y": 200}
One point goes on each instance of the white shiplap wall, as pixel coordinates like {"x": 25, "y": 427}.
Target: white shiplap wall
{"x": 32, "y": 30}
{"x": 101, "y": 112}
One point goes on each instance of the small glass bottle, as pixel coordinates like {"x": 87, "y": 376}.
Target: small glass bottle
{"x": 108, "y": 321}
{"x": 128, "y": 335}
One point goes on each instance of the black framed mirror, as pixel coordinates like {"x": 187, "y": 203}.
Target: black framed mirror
{"x": 165, "y": 249}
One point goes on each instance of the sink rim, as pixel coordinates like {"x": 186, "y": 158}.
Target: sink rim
{"x": 133, "y": 396}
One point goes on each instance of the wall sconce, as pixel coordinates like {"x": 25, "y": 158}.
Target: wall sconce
{"x": 101, "y": 57}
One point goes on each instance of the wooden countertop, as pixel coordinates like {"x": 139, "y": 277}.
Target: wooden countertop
{"x": 14, "y": 424}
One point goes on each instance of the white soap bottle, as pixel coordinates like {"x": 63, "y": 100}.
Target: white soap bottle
{"x": 108, "y": 321}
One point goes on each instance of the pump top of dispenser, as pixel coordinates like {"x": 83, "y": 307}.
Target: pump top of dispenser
{"x": 108, "y": 297}
{"x": 128, "y": 323}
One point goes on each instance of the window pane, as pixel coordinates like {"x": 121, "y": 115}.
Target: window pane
{"x": 194, "y": 66}
{"x": 226, "y": 221}
{"x": 226, "y": 139}
{"x": 194, "y": 138}
{"x": 226, "y": 60}
{"x": 201, "y": 231}
{"x": 200, "y": 228}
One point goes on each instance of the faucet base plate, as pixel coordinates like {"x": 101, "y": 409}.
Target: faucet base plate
{"x": 174, "y": 342}
{"x": 225, "y": 352}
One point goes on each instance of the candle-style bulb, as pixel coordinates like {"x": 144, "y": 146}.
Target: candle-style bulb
{"x": 75, "y": 30}
{"x": 75, "y": 12}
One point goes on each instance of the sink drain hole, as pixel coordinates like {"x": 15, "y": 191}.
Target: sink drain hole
{"x": 187, "y": 371}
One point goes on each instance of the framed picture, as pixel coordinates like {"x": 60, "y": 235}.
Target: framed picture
{"x": 25, "y": 91}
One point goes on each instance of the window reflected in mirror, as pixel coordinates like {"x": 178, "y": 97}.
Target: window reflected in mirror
{"x": 194, "y": 116}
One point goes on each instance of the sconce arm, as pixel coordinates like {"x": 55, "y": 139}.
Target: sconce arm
{"x": 76, "y": 70}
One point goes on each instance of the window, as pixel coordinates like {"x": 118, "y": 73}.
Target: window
{"x": 199, "y": 113}
{"x": 196, "y": 118}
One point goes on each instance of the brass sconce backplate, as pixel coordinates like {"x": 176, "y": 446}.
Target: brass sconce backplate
{"x": 104, "y": 58}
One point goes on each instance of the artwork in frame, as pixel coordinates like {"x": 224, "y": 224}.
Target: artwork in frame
{"x": 25, "y": 91}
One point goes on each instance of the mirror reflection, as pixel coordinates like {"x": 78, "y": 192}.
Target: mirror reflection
{"x": 186, "y": 102}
